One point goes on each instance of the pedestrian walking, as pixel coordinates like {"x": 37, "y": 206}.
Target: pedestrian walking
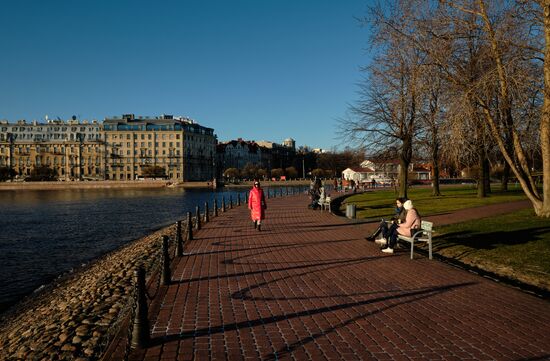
{"x": 257, "y": 205}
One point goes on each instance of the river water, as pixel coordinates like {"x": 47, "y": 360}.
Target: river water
{"x": 44, "y": 234}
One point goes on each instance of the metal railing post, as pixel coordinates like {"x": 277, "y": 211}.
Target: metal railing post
{"x": 206, "y": 215}
{"x": 215, "y": 207}
{"x": 140, "y": 329}
{"x": 198, "y": 216}
{"x": 166, "y": 274}
{"x": 179, "y": 240}
{"x": 189, "y": 227}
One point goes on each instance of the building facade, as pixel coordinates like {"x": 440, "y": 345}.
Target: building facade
{"x": 72, "y": 148}
{"x": 176, "y": 148}
{"x": 199, "y": 150}
{"x": 238, "y": 153}
{"x": 135, "y": 146}
{"x": 281, "y": 156}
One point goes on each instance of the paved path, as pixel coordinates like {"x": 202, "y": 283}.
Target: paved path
{"x": 309, "y": 287}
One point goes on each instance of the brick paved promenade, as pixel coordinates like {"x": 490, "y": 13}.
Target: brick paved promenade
{"x": 309, "y": 287}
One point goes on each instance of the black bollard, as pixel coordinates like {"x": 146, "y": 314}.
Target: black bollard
{"x": 166, "y": 276}
{"x": 206, "y": 215}
{"x": 286, "y": 190}
{"x": 230, "y": 201}
{"x": 189, "y": 227}
{"x": 246, "y": 198}
{"x": 179, "y": 240}
{"x": 198, "y": 220}
{"x": 223, "y": 204}
{"x": 140, "y": 329}
{"x": 215, "y": 207}
{"x": 238, "y": 199}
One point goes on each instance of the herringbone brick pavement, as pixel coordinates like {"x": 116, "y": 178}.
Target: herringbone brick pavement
{"x": 309, "y": 287}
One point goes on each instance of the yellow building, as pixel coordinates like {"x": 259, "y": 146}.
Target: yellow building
{"x": 73, "y": 149}
{"x": 143, "y": 147}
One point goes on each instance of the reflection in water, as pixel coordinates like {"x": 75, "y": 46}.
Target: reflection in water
{"x": 46, "y": 233}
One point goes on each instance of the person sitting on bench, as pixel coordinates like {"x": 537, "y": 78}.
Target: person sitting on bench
{"x": 408, "y": 228}
{"x": 399, "y": 217}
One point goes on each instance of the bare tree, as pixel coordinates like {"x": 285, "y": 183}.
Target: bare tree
{"x": 512, "y": 49}
{"x": 386, "y": 113}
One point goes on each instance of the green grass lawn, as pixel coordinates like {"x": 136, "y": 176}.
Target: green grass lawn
{"x": 381, "y": 204}
{"x": 515, "y": 245}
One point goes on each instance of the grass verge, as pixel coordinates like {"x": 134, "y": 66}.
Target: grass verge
{"x": 514, "y": 246}
{"x": 380, "y": 204}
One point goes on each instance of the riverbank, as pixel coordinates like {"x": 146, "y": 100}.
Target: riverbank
{"x": 13, "y": 186}
{"x": 76, "y": 316}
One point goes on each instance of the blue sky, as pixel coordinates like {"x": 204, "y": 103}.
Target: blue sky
{"x": 256, "y": 69}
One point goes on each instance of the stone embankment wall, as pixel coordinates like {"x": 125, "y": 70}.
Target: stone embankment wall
{"x": 76, "y": 316}
{"x": 81, "y": 185}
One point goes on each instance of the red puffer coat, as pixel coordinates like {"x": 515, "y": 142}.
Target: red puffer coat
{"x": 256, "y": 204}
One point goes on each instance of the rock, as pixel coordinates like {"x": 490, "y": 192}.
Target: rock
{"x": 63, "y": 337}
{"x": 76, "y": 340}
{"x": 68, "y": 347}
{"x": 82, "y": 330}
{"x": 22, "y": 352}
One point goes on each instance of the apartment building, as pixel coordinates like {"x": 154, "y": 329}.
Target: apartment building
{"x": 199, "y": 149}
{"x": 183, "y": 149}
{"x": 72, "y": 148}
{"x": 134, "y": 146}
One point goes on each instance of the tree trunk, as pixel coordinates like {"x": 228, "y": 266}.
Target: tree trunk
{"x": 481, "y": 159}
{"x": 505, "y": 177}
{"x": 435, "y": 163}
{"x": 404, "y": 161}
{"x": 543, "y": 208}
{"x": 487, "y": 176}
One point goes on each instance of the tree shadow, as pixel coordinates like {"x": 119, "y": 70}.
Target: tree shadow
{"x": 410, "y": 297}
{"x": 406, "y": 296}
{"x": 490, "y": 240}
{"x": 289, "y": 268}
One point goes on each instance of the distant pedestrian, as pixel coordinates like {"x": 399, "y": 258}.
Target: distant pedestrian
{"x": 352, "y": 185}
{"x": 257, "y": 205}
{"x": 373, "y": 183}
{"x": 315, "y": 193}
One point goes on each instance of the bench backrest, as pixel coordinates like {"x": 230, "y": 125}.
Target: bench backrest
{"x": 427, "y": 226}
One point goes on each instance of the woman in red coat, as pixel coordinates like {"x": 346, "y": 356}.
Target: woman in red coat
{"x": 257, "y": 205}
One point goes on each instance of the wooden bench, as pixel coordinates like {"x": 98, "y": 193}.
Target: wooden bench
{"x": 422, "y": 235}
